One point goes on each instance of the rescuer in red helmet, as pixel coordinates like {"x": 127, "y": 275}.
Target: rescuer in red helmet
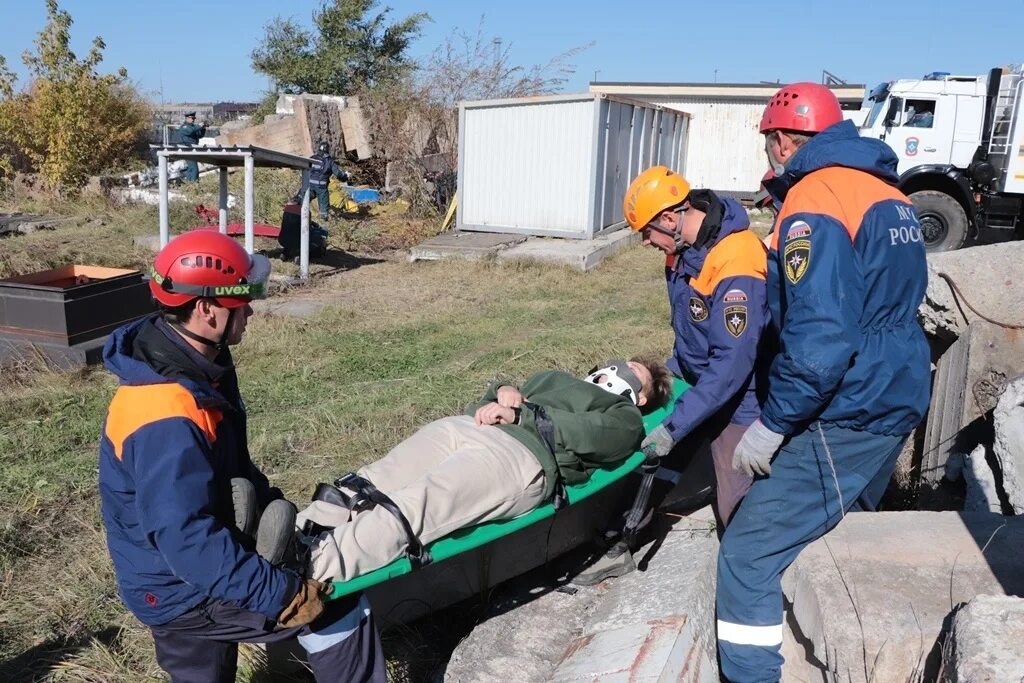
{"x": 181, "y": 497}
{"x": 846, "y": 274}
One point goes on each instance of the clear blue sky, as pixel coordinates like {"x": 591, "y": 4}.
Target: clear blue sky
{"x": 199, "y": 50}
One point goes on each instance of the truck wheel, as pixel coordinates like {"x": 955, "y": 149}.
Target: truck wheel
{"x": 943, "y": 221}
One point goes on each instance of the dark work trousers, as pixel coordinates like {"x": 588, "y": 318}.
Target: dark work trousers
{"x": 323, "y": 198}
{"x": 201, "y": 646}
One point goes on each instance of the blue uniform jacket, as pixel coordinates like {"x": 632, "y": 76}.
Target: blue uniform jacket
{"x": 324, "y": 167}
{"x": 717, "y": 296}
{"x": 168, "y": 452}
{"x": 846, "y": 274}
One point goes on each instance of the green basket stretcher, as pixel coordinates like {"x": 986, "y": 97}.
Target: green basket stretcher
{"x": 472, "y": 537}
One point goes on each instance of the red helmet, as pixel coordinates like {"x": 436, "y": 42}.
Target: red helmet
{"x": 205, "y": 263}
{"x": 801, "y": 107}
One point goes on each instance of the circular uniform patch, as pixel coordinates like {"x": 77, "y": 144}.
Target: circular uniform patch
{"x": 698, "y": 309}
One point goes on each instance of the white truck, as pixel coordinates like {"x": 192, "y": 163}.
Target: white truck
{"x": 960, "y": 143}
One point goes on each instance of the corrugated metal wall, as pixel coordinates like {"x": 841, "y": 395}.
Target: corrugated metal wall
{"x": 526, "y": 165}
{"x": 558, "y": 165}
{"x": 726, "y": 152}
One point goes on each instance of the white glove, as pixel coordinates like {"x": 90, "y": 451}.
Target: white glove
{"x": 754, "y": 452}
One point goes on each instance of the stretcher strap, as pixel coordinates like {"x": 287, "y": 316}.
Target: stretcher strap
{"x": 368, "y": 495}
{"x": 546, "y": 428}
{"x": 643, "y": 497}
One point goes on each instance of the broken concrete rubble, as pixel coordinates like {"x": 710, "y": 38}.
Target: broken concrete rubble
{"x": 303, "y": 121}
{"x": 968, "y": 382}
{"x": 655, "y": 624}
{"x": 982, "y": 494}
{"x": 1009, "y": 442}
{"x": 984, "y": 646}
{"x": 872, "y": 596}
{"x": 985, "y": 276}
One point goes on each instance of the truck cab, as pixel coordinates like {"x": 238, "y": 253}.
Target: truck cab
{"x": 953, "y": 136}
{"x": 935, "y": 120}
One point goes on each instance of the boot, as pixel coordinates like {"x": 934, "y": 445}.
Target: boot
{"x": 247, "y": 512}
{"x": 275, "y": 538}
{"x": 616, "y": 561}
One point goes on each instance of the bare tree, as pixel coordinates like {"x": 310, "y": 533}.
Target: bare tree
{"x": 418, "y": 119}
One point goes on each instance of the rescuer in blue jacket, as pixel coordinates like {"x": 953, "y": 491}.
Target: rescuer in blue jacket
{"x": 715, "y": 272}
{"x": 846, "y": 274}
{"x": 324, "y": 166}
{"x": 172, "y": 451}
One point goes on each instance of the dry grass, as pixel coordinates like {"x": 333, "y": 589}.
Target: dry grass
{"x": 397, "y": 344}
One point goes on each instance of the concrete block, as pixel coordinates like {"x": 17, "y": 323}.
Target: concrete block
{"x": 985, "y": 276}
{"x": 1009, "y": 442}
{"x": 471, "y": 245}
{"x": 651, "y": 623}
{"x": 650, "y": 651}
{"x": 872, "y": 595}
{"x": 984, "y": 646}
{"x": 583, "y": 255}
{"x": 969, "y": 380}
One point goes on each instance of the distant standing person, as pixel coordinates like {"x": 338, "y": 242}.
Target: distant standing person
{"x": 324, "y": 166}
{"x": 190, "y": 133}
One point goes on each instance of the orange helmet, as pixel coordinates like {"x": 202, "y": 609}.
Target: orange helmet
{"x": 653, "y": 191}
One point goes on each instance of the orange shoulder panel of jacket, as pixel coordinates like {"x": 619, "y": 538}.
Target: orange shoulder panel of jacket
{"x": 845, "y": 194}
{"x": 134, "y": 407}
{"x": 737, "y": 255}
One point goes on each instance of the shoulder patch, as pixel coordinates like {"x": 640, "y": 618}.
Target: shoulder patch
{"x": 734, "y": 296}
{"x": 736, "y": 320}
{"x": 796, "y": 256}
{"x": 698, "y": 309}
{"x": 797, "y": 230}
{"x": 134, "y": 407}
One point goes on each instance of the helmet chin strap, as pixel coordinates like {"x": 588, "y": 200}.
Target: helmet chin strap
{"x": 216, "y": 345}
{"x": 677, "y": 237}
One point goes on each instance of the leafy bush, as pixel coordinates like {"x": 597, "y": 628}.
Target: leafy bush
{"x": 69, "y": 121}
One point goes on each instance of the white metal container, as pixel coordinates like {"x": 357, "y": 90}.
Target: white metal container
{"x": 559, "y": 165}
{"x": 727, "y": 151}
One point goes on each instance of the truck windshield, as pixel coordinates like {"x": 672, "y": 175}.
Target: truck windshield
{"x": 878, "y": 97}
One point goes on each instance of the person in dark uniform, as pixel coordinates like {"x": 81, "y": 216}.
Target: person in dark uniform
{"x": 190, "y": 134}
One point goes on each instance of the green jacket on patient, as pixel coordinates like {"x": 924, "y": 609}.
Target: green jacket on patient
{"x": 592, "y": 427}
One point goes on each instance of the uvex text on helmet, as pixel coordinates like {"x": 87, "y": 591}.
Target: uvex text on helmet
{"x": 207, "y": 264}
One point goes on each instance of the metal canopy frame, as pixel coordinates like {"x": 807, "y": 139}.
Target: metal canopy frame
{"x": 248, "y": 157}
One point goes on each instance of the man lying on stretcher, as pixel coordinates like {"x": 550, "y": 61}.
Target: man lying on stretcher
{"x": 511, "y": 452}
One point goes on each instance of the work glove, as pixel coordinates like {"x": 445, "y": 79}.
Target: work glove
{"x": 658, "y": 443}
{"x": 754, "y": 452}
{"x": 307, "y": 605}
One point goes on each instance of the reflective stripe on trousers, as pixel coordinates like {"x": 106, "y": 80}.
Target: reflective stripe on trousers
{"x": 797, "y": 504}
